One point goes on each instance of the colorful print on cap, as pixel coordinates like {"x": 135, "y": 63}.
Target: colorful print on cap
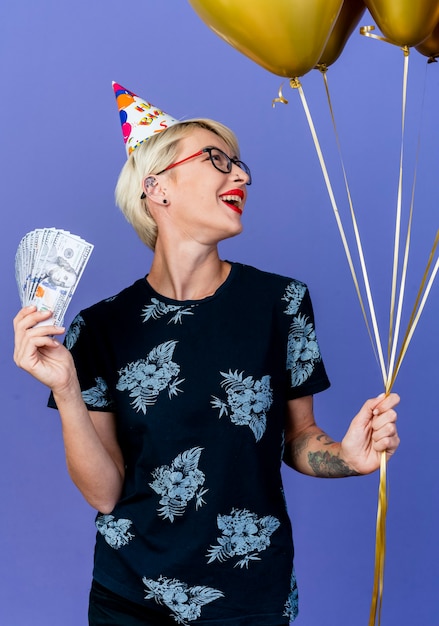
{"x": 140, "y": 120}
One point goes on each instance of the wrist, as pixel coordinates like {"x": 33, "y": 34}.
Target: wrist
{"x": 67, "y": 393}
{"x": 352, "y": 460}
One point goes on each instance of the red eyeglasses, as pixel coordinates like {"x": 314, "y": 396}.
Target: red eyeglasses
{"x": 219, "y": 159}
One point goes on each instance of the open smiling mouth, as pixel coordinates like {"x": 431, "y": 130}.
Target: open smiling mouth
{"x": 233, "y": 201}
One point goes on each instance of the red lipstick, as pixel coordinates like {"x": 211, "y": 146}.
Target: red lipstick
{"x": 233, "y": 198}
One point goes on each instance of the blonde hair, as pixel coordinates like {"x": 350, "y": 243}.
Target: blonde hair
{"x": 153, "y": 156}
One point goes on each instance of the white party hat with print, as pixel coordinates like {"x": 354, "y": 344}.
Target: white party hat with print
{"x": 139, "y": 118}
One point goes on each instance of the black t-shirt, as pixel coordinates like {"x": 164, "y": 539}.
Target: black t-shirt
{"x": 199, "y": 390}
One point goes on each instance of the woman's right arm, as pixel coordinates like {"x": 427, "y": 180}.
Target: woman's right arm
{"x": 93, "y": 456}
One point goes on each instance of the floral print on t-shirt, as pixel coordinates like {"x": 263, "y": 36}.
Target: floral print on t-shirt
{"x": 179, "y": 483}
{"x": 243, "y": 534}
{"x": 248, "y": 401}
{"x": 115, "y": 531}
{"x": 158, "y": 309}
{"x": 302, "y": 350}
{"x": 146, "y": 378}
{"x": 185, "y": 602}
{"x": 98, "y": 396}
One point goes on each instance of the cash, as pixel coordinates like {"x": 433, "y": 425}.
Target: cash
{"x": 48, "y": 265}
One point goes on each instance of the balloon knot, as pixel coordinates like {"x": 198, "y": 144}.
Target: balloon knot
{"x": 322, "y": 67}
{"x": 295, "y": 83}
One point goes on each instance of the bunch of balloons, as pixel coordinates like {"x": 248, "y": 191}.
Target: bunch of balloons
{"x": 291, "y": 37}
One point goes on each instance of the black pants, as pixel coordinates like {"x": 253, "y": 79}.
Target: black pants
{"x": 108, "y": 609}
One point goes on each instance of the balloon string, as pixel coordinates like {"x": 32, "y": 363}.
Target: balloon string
{"x": 400, "y": 300}
{"x": 395, "y": 317}
{"x": 417, "y": 310}
{"x": 379, "y": 357}
{"x": 394, "y": 323}
{"x": 380, "y": 545}
{"x": 391, "y": 376}
{"x": 367, "y": 32}
{"x": 280, "y": 98}
{"x": 298, "y": 86}
{"x": 380, "y": 540}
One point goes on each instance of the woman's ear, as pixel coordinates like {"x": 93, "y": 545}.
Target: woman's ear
{"x": 153, "y": 190}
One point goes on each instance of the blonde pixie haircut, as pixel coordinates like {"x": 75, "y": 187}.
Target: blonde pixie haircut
{"x": 153, "y": 156}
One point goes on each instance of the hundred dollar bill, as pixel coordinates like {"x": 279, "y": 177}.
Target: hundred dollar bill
{"x": 48, "y": 265}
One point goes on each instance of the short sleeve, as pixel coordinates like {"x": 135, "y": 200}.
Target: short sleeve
{"x": 305, "y": 368}
{"x": 82, "y": 342}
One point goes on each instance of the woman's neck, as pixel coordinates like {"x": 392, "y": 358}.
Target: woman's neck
{"x": 184, "y": 275}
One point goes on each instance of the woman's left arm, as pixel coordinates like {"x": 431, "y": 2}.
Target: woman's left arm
{"x": 309, "y": 450}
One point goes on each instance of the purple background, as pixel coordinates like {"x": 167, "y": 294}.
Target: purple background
{"x": 61, "y": 152}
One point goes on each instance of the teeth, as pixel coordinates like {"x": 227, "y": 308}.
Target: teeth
{"x": 230, "y": 198}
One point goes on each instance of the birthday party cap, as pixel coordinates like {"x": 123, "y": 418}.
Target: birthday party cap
{"x": 140, "y": 120}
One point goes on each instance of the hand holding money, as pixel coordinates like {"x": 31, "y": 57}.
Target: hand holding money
{"x": 48, "y": 265}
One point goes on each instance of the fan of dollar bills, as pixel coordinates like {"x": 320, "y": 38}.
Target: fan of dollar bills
{"x": 48, "y": 265}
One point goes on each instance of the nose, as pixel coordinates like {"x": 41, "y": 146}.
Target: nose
{"x": 240, "y": 174}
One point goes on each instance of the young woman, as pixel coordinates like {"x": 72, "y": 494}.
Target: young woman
{"x": 180, "y": 397}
